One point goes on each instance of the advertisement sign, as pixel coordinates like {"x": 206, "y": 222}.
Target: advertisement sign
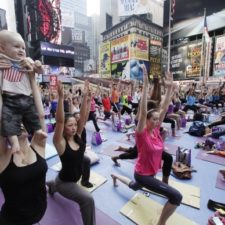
{"x": 120, "y": 49}
{"x": 219, "y": 56}
{"x": 104, "y": 60}
{"x": 77, "y": 35}
{"x": 3, "y": 23}
{"x": 64, "y": 51}
{"x": 178, "y": 59}
{"x": 155, "y": 50}
{"x": 53, "y": 81}
{"x": 63, "y": 73}
{"x": 193, "y": 65}
{"x": 89, "y": 65}
{"x": 139, "y": 47}
{"x": 129, "y": 70}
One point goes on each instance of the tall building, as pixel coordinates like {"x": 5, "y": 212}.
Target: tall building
{"x": 7, "y": 17}
{"x": 75, "y": 5}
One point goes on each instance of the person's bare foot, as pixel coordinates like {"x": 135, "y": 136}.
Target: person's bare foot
{"x": 114, "y": 180}
{"x": 14, "y": 142}
{"x": 119, "y": 148}
{"x": 114, "y": 159}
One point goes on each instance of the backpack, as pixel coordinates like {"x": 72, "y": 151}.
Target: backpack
{"x": 197, "y": 129}
{"x": 183, "y": 156}
{"x": 182, "y": 171}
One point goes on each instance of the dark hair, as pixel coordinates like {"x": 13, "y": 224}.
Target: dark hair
{"x": 68, "y": 115}
{"x": 151, "y": 105}
{"x": 150, "y": 113}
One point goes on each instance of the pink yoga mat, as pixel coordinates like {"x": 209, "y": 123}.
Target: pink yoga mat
{"x": 210, "y": 158}
{"x": 61, "y": 211}
{"x": 220, "y": 182}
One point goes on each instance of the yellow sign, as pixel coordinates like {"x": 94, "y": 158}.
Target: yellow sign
{"x": 139, "y": 47}
{"x": 104, "y": 60}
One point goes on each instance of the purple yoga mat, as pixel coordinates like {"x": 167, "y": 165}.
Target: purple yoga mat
{"x": 220, "y": 182}
{"x": 61, "y": 211}
{"x": 110, "y": 151}
{"x": 210, "y": 158}
{"x": 124, "y": 140}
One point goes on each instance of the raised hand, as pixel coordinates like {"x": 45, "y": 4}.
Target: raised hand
{"x": 145, "y": 74}
{"x": 60, "y": 89}
{"x": 86, "y": 87}
{"x": 169, "y": 80}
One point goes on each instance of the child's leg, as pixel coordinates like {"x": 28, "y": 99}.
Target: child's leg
{"x": 13, "y": 140}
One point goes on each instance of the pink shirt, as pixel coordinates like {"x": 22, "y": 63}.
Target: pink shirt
{"x": 150, "y": 147}
{"x": 92, "y": 109}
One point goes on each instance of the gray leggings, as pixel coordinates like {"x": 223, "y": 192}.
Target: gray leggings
{"x": 157, "y": 186}
{"x": 74, "y": 192}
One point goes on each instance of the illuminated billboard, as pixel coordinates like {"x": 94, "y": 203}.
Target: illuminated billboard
{"x": 219, "y": 56}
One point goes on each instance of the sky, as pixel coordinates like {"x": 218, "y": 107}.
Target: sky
{"x": 93, "y": 7}
{"x": 186, "y": 9}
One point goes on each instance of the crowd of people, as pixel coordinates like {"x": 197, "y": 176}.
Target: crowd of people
{"x": 25, "y": 106}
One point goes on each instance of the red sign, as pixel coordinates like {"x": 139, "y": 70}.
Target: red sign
{"x": 53, "y": 81}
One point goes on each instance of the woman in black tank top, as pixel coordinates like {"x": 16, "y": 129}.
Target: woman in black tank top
{"x": 70, "y": 147}
{"x": 22, "y": 175}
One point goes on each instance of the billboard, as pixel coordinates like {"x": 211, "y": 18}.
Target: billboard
{"x": 61, "y": 73}
{"x": 155, "y": 50}
{"x": 152, "y": 7}
{"x": 219, "y": 56}
{"x": 104, "y": 60}
{"x": 89, "y": 65}
{"x": 129, "y": 70}
{"x": 139, "y": 47}
{"x": 178, "y": 62}
{"x": 193, "y": 64}
{"x": 64, "y": 51}
{"x": 78, "y": 35}
{"x": 120, "y": 49}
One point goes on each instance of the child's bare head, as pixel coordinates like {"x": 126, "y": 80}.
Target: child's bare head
{"x": 12, "y": 45}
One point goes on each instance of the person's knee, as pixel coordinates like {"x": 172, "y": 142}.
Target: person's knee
{"x": 177, "y": 198}
{"x": 134, "y": 185}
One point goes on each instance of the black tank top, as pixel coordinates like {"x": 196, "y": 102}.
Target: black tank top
{"x": 24, "y": 192}
{"x": 72, "y": 162}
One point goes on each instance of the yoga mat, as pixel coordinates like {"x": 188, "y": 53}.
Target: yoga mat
{"x": 220, "y": 182}
{"x": 144, "y": 211}
{"x": 96, "y": 179}
{"x": 110, "y": 151}
{"x": 171, "y": 148}
{"x": 210, "y": 158}
{"x": 50, "y": 151}
{"x": 190, "y": 193}
{"x": 61, "y": 211}
{"x": 124, "y": 140}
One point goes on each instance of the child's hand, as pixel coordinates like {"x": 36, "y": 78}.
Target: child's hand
{"x": 27, "y": 64}
{"x": 38, "y": 67}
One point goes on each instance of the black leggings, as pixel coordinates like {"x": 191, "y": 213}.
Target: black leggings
{"x": 92, "y": 117}
{"x": 157, "y": 186}
{"x": 169, "y": 120}
{"x": 191, "y": 107}
{"x": 86, "y": 165}
{"x": 221, "y": 122}
{"x": 132, "y": 153}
